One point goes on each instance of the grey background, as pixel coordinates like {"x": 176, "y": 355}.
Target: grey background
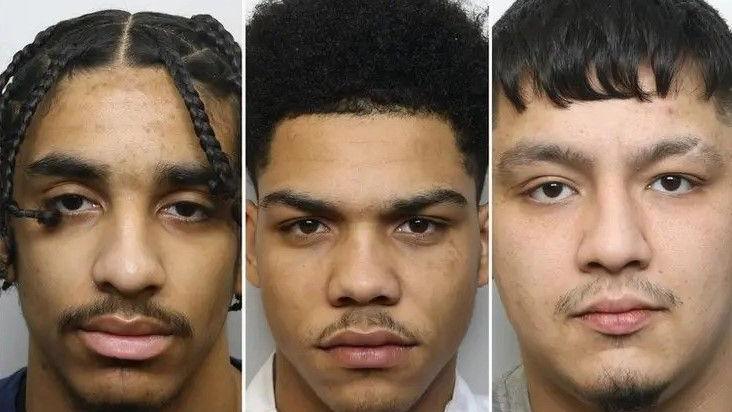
{"x": 474, "y": 351}
{"x": 506, "y": 354}
{"x": 19, "y": 23}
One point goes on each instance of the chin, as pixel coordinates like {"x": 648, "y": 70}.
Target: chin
{"x": 624, "y": 390}
{"x": 123, "y": 394}
{"x": 372, "y": 398}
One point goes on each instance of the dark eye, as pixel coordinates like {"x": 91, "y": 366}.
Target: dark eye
{"x": 306, "y": 227}
{"x": 419, "y": 226}
{"x": 71, "y": 204}
{"x": 672, "y": 184}
{"x": 187, "y": 211}
{"x": 552, "y": 192}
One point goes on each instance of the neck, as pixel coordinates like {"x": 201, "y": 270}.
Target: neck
{"x": 704, "y": 389}
{"x": 293, "y": 393}
{"x": 215, "y": 385}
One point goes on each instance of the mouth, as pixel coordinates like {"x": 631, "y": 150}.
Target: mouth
{"x": 379, "y": 349}
{"x": 136, "y": 339}
{"x": 618, "y": 317}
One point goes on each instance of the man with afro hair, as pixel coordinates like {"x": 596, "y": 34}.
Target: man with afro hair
{"x": 367, "y": 145}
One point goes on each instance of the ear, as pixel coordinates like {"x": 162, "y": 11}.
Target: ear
{"x": 8, "y": 271}
{"x": 237, "y": 269}
{"x": 251, "y": 228}
{"x": 484, "y": 253}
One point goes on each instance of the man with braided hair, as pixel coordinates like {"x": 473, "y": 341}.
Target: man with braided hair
{"x": 367, "y": 143}
{"x": 120, "y": 213}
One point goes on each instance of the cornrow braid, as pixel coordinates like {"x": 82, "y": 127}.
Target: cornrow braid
{"x": 224, "y": 41}
{"x": 57, "y": 64}
{"x": 47, "y": 217}
{"x": 21, "y": 56}
{"x": 225, "y": 185}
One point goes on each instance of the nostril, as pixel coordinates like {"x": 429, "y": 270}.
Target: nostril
{"x": 345, "y": 301}
{"x": 381, "y": 300}
{"x": 351, "y": 301}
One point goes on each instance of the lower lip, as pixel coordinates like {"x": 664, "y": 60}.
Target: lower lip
{"x": 618, "y": 324}
{"x": 133, "y": 348}
{"x": 369, "y": 357}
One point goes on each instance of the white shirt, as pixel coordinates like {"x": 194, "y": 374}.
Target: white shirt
{"x": 260, "y": 395}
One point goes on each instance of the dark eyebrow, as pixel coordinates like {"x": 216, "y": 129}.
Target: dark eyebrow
{"x": 301, "y": 201}
{"x": 414, "y": 205}
{"x": 675, "y": 146}
{"x": 67, "y": 166}
{"x": 183, "y": 175}
{"x": 524, "y": 154}
{"x": 407, "y": 206}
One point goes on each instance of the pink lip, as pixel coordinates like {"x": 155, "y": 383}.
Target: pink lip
{"x": 136, "y": 339}
{"x": 618, "y": 317}
{"x": 373, "y": 350}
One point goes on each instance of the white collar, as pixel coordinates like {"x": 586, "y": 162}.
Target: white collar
{"x": 260, "y": 394}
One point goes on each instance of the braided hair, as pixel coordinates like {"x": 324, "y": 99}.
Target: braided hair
{"x": 195, "y": 51}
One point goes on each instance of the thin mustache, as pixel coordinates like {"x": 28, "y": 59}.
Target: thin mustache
{"x": 660, "y": 295}
{"x": 73, "y": 318}
{"x": 356, "y": 317}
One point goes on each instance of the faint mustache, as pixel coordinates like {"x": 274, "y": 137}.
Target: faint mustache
{"x": 659, "y": 295}
{"x": 370, "y": 318}
{"x": 73, "y": 319}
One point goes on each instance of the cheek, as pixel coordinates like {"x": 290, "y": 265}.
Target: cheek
{"x": 694, "y": 260}
{"x": 48, "y": 269}
{"x": 439, "y": 285}
{"x": 293, "y": 288}
{"x": 533, "y": 263}
{"x": 200, "y": 276}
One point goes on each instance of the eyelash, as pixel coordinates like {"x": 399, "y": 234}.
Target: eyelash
{"x": 694, "y": 181}
{"x": 53, "y": 203}
{"x": 207, "y": 212}
{"x": 437, "y": 226}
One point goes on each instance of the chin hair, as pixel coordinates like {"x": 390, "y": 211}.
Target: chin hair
{"x": 373, "y": 403}
{"x": 625, "y": 391}
{"x": 101, "y": 402}
{"x": 116, "y": 407}
{"x": 376, "y": 405}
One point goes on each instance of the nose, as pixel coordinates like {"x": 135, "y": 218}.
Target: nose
{"x": 127, "y": 263}
{"x": 363, "y": 272}
{"x": 613, "y": 238}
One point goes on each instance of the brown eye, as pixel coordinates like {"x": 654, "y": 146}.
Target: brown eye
{"x": 308, "y": 226}
{"x": 673, "y": 184}
{"x": 70, "y": 204}
{"x": 552, "y": 192}
{"x": 187, "y": 211}
{"x": 552, "y": 189}
{"x": 419, "y": 226}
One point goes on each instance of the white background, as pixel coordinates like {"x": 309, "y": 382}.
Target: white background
{"x": 505, "y": 348}
{"x": 19, "y": 23}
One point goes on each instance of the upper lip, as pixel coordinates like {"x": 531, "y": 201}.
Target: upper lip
{"x": 122, "y": 326}
{"x": 616, "y": 305}
{"x": 371, "y": 338}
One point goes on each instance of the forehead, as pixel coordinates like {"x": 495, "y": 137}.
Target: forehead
{"x": 365, "y": 159}
{"x": 625, "y": 124}
{"x": 122, "y": 116}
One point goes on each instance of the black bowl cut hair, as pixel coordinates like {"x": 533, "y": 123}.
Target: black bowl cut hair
{"x": 565, "y": 49}
{"x": 366, "y": 57}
